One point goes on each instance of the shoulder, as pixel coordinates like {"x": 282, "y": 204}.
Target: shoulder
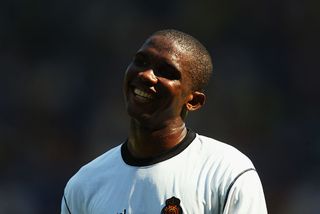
{"x": 96, "y": 167}
{"x": 224, "y": 162}
{"x": 226, "y": 155}
{"x": 231, "y": 173}
{"x": 87, "y": 181}
{"x": 228, "y": 165}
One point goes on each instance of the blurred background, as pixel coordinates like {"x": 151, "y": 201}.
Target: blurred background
{"x": 61, "y": 105}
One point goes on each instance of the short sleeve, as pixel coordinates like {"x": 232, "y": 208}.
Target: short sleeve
{"x": 245, "y": 195}
{"x": 64, "y": 206}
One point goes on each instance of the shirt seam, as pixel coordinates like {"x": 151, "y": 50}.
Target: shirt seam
{"x": 65, "y": 201}
{"x": 232, "y": 183}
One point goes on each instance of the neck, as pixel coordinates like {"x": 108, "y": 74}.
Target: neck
{"x": 145, "y": 142}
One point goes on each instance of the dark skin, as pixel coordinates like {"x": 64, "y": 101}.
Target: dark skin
{"x": 157, "y": 88}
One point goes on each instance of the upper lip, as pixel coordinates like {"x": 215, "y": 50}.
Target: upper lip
{"x": 142, "y": 93}
{"x": 149, "y": 90}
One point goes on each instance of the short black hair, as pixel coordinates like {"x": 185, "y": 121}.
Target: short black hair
{"x": 201, "y": 65}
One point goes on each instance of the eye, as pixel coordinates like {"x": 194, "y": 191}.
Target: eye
{"x": 168, "y": 72}
{"x": 140, "y": 61}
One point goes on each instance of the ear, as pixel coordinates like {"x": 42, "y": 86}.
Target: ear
{"x": 196, "y": 101}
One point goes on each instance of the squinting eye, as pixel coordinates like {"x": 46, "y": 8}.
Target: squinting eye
{"x": 168, "y": 72}
{"x": 140, "y": 61}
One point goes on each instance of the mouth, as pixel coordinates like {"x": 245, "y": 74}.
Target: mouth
{"x": 143, "y": 95}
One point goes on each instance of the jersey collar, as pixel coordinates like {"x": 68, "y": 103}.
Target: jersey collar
{"x": 132, "y": 161}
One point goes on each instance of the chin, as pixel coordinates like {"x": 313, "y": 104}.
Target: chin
{"x": 139, "y": 116}
{"x": 143, "y": 121}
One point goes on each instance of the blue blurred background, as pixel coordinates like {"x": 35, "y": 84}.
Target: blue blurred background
{"x": 61, "y": 105}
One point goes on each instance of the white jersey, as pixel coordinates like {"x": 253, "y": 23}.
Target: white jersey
{"x": 200, "y": 175}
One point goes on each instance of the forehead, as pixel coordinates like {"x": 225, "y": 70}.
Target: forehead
{"x": 165, "y": 46}
{"x": 163, "y": 49}
{"x": 166, "y": 50}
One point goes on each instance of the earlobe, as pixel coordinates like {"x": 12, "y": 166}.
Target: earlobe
{"x": 196, "y": 101}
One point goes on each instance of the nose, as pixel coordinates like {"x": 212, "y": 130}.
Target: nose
{"x": 148, "y": 76}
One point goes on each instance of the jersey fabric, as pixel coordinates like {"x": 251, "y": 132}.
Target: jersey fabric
{"x": 199, "y": 175}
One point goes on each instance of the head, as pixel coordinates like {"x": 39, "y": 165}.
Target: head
{"x": 166, "y": 79}
{"x": 200, "y": 64}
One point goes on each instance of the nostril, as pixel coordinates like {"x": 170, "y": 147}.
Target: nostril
{"x": 148, "y": 76}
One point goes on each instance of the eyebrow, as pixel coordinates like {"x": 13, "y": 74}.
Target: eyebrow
{"x": 164, "y": 61}
{"x": 140, "y": 53}
{"x": 171, "y": 66}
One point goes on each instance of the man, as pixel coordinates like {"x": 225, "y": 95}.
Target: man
{"x": 164, "y": 167}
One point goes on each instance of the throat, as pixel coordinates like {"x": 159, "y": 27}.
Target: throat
{"x": 147, "y": 144}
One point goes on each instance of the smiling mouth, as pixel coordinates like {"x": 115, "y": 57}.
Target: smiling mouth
{"x": 143, "y": 95}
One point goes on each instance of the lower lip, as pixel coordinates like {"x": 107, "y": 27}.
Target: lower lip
{"x": 141, "y": 99}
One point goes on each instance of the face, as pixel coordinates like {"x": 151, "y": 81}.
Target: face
{"x": 157, "y": 85}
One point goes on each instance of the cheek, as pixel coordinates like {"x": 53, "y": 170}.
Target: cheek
{"x": 175, "y": 94}
{"x": 128, "y": 75}
{"x": 126, "y": 79}
{"x": 172, "y": 87}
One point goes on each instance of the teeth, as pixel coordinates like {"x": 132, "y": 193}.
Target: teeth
{"x": 142, "y": 93}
